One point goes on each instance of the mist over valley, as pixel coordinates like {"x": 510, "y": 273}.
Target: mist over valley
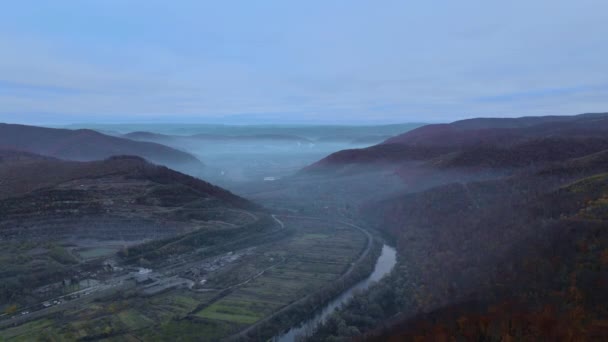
{"x": 322, "y": 171}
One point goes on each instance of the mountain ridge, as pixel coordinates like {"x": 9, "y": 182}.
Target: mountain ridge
{"x": 88, "y": 145}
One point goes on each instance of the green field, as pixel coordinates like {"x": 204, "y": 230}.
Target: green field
{"x": 96, "y": 252}
{"x": 26, "y": 332}
{"x": 232, "y": 311}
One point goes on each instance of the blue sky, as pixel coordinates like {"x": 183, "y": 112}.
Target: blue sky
{"x": 300, "y": 61}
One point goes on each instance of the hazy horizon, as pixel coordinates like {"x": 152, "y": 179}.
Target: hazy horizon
{"x": 236, "y": 120}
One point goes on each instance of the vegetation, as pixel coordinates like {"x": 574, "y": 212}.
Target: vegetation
{"x": 86, "y": 145}
{"x": 222, "y": 239}
{"x": 30, "y": 265}
{"x": 518, "y": 258}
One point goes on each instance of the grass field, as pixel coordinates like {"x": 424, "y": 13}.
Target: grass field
{"x": 96, "y": 252}
{"x": 134, "y": 320}
{"x": 132, "y": 315}
{"x": 26, "y": 332}
{"x": 233, "y": 311}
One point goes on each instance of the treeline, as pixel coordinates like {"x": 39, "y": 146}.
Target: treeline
{"x": 553, "y": 291}
{"x": 216, "y": 239}
{"x": 22, "y": 272}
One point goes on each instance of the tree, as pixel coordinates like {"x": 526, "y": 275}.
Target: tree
{"x": 10, "y": 309}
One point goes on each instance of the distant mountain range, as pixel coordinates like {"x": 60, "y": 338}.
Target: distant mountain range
{"x": 312, "y": 132}
{"x": 87, "y": 145}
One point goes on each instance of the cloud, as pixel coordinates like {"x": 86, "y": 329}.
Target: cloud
{"x": 356, "y": 60}
{"x": 545, "y": 93}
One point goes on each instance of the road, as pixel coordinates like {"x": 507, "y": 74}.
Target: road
{"x": 84, "y": 296}
{"x": 278, "y": 221}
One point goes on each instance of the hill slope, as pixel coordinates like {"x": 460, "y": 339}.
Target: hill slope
{"x": 125, "y": 196}
{"x": 472, "y": 143}
{"x": 521, "y": 254}
{"x": 538, "y": 273}
{"x": 87, "y": 145}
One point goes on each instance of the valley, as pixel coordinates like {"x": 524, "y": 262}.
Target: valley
{"x": 303, "y": 171}
{"x": 134, "y": 251}
{"x": 496, "y": 219}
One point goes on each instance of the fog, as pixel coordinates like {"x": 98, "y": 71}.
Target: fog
{"x": 236, "y": 162}
{"x": 236, "y": 156}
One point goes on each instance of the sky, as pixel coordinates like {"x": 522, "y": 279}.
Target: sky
{"x": 313, "y": 61}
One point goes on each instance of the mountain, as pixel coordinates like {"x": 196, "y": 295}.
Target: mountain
{"x": 8, "y": 155}
{"x": 525, "y": 257}
{"x": 64, "y": 223}
{"x": 479, "y": 143}
{"x": 501, "y": 232}
{"x": 535, "y": 151}
{"x": 87, "y": 145}
{"x": 120, "y": 197}
{"x": 501, "y": 130}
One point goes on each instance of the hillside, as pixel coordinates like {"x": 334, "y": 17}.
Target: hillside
{"x": 545, "y": 285}
{"x": 480, "y": 143}
{"x": 535, "y": 151}
{"x": 504, "y": 240}
{"x": 113, "y": 193}
{"x": 499, "y": 130}
{"x": 87, "y": 145}
{"x": 63, "y": 224}
{"x": 8, "y": 155}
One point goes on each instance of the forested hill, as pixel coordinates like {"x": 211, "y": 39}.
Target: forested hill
{"x": 525, "y": 258}
{"x": 88, "y": 145}
{"x": 497, "y": 241}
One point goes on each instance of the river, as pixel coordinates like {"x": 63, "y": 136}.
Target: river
{"x": 384, "y": 264}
